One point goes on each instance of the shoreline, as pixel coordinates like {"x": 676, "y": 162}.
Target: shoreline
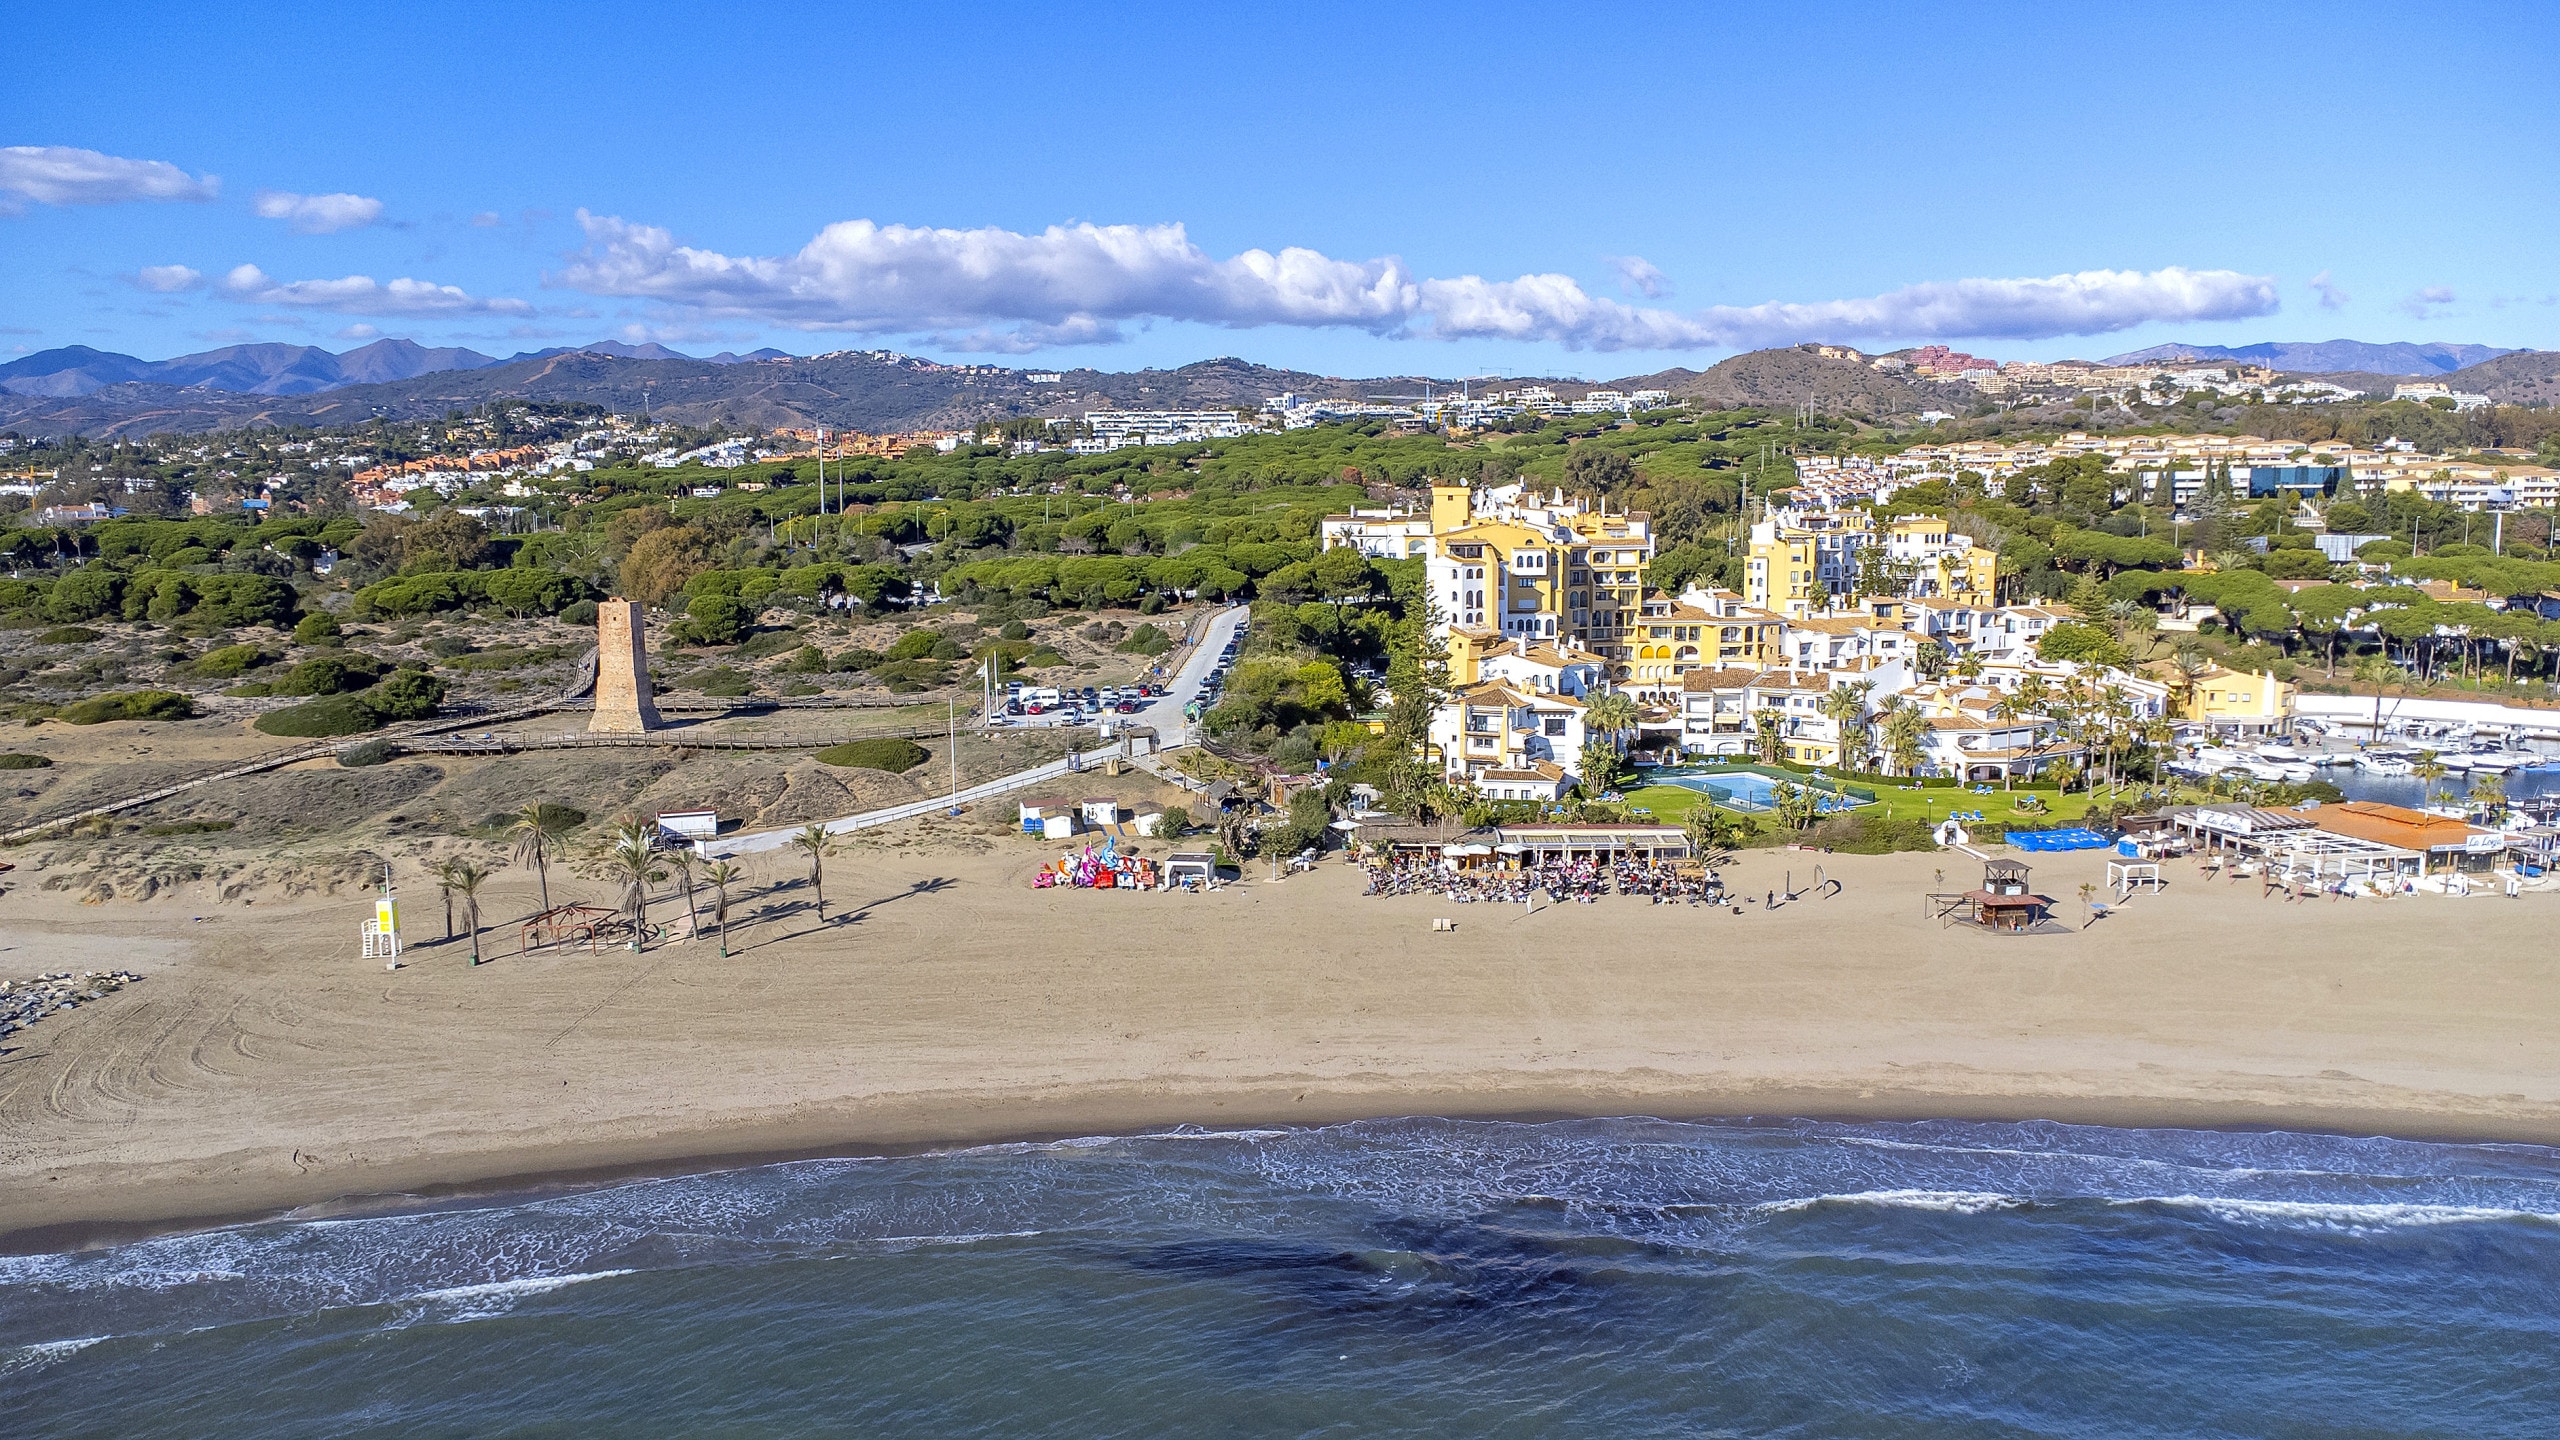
{"x": 471, "y": 1181}
{"x": 260, "y": 1071}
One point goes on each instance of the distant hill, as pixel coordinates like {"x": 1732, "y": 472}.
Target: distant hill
{"x": 2326, "y": 357}
{"x": 1780, "y": 378}
{"x": 862, "y": 390}
{"x": 2519, "y": 377}
{"x": 76, "y": 370}
{"x": 242, "y": 369}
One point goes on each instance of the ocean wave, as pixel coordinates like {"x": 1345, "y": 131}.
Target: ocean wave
{"x": 489, "y": 1299}
{"x": 1949, "y": 1202}
{"x": 911, "y": 1242}
{"x": 23, "y": 1359}
{"x": 2341, "y": 1217}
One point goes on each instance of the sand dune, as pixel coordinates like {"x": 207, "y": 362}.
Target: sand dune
{"x": 263, "y": 1065}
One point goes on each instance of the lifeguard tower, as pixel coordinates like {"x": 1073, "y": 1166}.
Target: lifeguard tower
{"x": 2007, "y": 902}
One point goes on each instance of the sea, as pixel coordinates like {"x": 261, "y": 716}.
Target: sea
{"x": 1411, "y": 1277}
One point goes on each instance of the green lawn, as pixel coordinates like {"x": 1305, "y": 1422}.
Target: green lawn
{"x": 1671, "y": 804}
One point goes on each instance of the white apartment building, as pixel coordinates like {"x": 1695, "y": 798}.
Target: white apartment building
{"x": 1385, "y": 534}
{"x": 1118, "y": 429}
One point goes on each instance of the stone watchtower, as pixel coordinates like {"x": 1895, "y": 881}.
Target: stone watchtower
{"x": 623, "y": 706}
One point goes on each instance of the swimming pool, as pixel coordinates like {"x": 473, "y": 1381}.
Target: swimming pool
{"x": 1752, "y": 791}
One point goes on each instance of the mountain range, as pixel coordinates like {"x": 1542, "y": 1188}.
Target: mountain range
{"x": 2326, "y": 357}
{"x": 76, "y": 370}
{"x": 879, "y": 391}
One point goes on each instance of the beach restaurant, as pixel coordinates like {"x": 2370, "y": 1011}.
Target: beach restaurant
{"x": 2356, "y": 839}
{"x": 2441, "y": 842}
{"x": 1516, "y": 847}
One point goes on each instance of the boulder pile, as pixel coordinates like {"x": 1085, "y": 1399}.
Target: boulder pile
{"x": 24, "y": 1002}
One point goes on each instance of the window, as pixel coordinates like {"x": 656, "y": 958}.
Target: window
{"x": 1552, "y": 725}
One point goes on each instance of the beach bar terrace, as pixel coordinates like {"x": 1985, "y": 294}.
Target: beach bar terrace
{"x": 1542, "y": 844}
{"x": 1516, "y": 847}
{"x": 2436, "y": 841}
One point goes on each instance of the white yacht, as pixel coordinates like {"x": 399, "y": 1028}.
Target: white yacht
{"x": 2377, "y": 763}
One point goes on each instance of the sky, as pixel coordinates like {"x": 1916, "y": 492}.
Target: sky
{"x": 1589, "y": 191}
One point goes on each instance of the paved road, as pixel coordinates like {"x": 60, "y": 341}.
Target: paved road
{"x": 1165, "y": 714}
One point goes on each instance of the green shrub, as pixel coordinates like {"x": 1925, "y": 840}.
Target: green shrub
{"x": 916, "y": 644}
{"x": 896, "y": 756}
{"x": 1146, "y": 640}
{"x": 717, "y": 620}
{"x": 849, "y": 661}
{"x": 227, "y": 662}
{"x": 807, "y": 660}
{"x": 581, "y": 613}
{"x": 317, "y": 628}
{"x": 254, "y": 690}
{"x": 321, "y": 719}
{"x": 129, "y": 705}
{"x": 408, "y": 695}
{"x": 720, "y": 682}
{"x": 1015, "y": 630}
{"x": 904, "y": 676}
{"x": 69, "y": 635}
{"x": 947, "y": 648}
{"x": 768, "y": 642}
{"x": 190, "y": 827}
{"x": 330, "y": 674}
{"x": 20, "y": 760}
{"x": 371, "y": 752}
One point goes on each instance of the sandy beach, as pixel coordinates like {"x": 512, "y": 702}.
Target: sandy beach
{"x": 263, "y": 1066}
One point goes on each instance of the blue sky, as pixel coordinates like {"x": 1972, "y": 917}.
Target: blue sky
{"x": 1359, "y": 189}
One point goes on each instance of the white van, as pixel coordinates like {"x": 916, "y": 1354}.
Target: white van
{"x": 1046, "y": 695}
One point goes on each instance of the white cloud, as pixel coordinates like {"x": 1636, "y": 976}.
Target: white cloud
{"x": 167, "y": 279}
{"x": 2425, "y": 304}
{"x": 1076, "y": 279}
{"x": 359, "y": 331}
{"x": 2332, "y": 297}
{"x": 318, "y": 214}
{"x": 486, "y": 220}
{"x": 1075, "y": 284}
{"x": 362, "y": 295}
{"x": 1638, "y": 276}
{"x": 62, "y": 175}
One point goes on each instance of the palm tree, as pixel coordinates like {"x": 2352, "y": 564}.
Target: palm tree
{"x": 1797, "y": 805}
{"x": 2187, "y": 666}
{"x": 2489, "y": 795}
{"x": 2429, "y": 770}
{"x": 681, "y": 859}
{"x": 721, "y": 875}
{"x": 1905, "y": 735}
{"x": 464, "y": 880}
{"x": 443, "y": 871}
{"x": 540, "y": 834}
{"x": 628, "y": 857}
{"x": 1845, "y": 706}
{"x": 1611, "y": 716}
{"x": 1769, "y": 733}
{"x": 814, "y": 842}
